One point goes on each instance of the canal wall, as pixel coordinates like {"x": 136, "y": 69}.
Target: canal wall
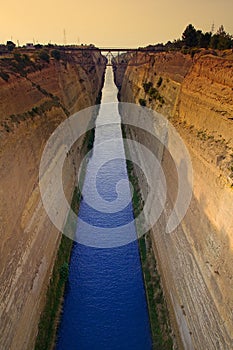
{"x": 36, "y": 96}
{"x": 195, "y": 261}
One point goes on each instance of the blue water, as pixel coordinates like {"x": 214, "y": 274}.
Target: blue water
{"x": 105, "y": 304}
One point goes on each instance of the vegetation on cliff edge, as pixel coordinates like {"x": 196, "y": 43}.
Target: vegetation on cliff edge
{"x": 50, "y": 315}
{"x": 158, "y": 312}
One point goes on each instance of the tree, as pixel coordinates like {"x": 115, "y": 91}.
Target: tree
{"x": 175, "y": 45}
{"x": 205, "y": 40}
{"x": 225, "y": 42}
{"x": 221, "y": 30}
{"x": 38, "y": 46}
{"x": 221, "y": 40}
{"x": 10, "y": 45}
{"x": 189, "y": 36}
{"x": 214, "y": 41}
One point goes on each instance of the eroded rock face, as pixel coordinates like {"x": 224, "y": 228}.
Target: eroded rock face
{"x": 196, "y": 259}
{"x": 206, "y": 99}
{"x": 31, "y": 108}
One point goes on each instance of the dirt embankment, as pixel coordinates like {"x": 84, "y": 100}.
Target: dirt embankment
{"x": 196, "y": 260}
{"x": 32, "y": 105}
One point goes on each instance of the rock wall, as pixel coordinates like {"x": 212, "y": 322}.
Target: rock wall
{"x": 206, "y": 99}
{"x": 196, "y": 260}
{"x": 32, "y": 105}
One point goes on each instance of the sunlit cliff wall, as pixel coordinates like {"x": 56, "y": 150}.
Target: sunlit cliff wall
{"x": 196, "y": 95}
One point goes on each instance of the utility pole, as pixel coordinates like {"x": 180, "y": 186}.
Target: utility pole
{"x": 212, "y": 28}
{"x": 64, "y": 36}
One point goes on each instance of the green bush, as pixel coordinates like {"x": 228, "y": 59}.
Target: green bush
{"x": 142, "y": 102}
{"x": 17, "y": 56}
{"x": 21, "y": 60}
{"x": 26, "y": 59}
{"x": 161, "y": 99}
{"x": 159, "y": 83}
{"x": 56, "y": 54}
{"x": 147, "y": 86}
{"x": 43, "y": 55}
{"x": 4, "y": 76}
{"x": 153, "y": 92}
{"x": 64, "y": 272}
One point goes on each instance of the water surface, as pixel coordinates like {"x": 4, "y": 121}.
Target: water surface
{"x": 105, "y": 305}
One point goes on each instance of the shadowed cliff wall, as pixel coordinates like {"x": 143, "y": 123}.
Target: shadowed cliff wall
{"x": 32, "y": 105}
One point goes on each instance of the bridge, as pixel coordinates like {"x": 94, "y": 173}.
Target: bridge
{"x": 112, "y": 49}
{"x": 114, "y": 54}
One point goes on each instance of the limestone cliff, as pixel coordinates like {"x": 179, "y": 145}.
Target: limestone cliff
{"x": 34, "y": 99}
{"x": 196, "y": 95}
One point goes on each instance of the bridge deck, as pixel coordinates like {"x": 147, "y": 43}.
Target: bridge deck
{"x": 111, "y": 49}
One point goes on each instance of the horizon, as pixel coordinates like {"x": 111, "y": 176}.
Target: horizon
{"x": 130, "y": 24}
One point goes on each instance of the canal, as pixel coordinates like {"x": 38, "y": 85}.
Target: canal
{"x": 105, "y": 302}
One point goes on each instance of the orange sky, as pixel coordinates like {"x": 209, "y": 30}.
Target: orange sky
{"x": 126, "y": 23}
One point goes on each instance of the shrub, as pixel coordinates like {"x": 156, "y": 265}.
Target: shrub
{"x": 161, "y": 99}
{"x": 142, "y": 102}
{"x": 153, "y": 92}
{"x": 64, "y": 271}
{"x": 43, "y": 55}
{"x": 147, "y": 86}
{"x": 26, "y": 58}
{"x": 22, "y": 61}
{"x": 159, "y": 83}
{"x": 35, "y": 110}
{"x": 4, "y": 76}
{"x": 17, "y": 57}
{"x": 56, "y": 54}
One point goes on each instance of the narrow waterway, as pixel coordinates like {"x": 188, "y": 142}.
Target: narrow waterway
{"x": 105, "y": 303}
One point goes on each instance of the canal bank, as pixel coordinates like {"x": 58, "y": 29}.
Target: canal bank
{"x": 51, "y": 314}
{"x": 50, "y": 317}
{"x": 162, "y": 335}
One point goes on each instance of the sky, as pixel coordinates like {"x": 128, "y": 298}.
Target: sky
{"x": 120, "y": 23}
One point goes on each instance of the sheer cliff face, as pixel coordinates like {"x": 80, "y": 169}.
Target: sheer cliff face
{"x": 196, "y": 260}
{"x": 31, "y": 107}
{"x": 206, "y": 99}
